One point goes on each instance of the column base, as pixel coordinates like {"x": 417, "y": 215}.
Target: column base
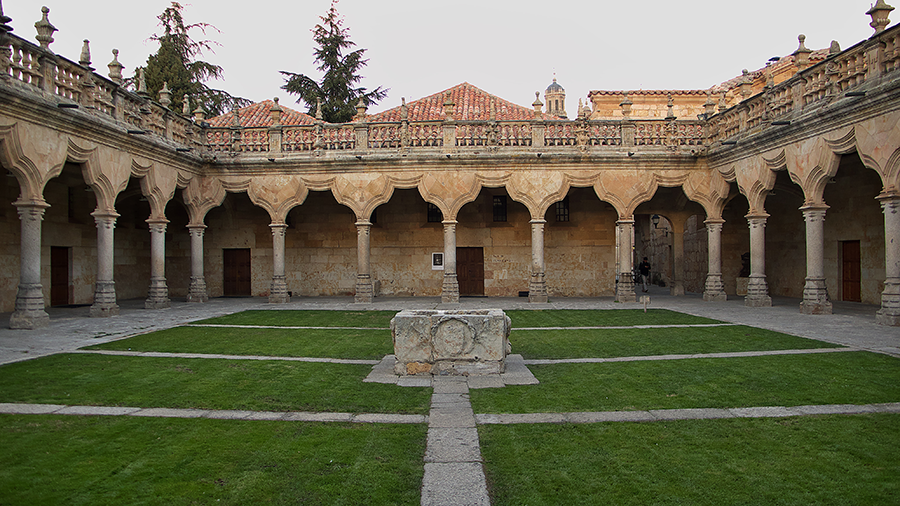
{"x": 157, "y": 304}
{"x": 815, "y": 307}
{"x": 815, "y": 297}
{"x": 104, "y": 300}
{"x": 278, "y": 293}
{"x": 677, "y": 289}
{"x": 889, "y": 314}
{"x": 364, "y": 292}
{"x": 625, "y": 289}
{"x": 104, "y": 310}
{"x": 450, "y": 290}
{"x": 758, "y": 301}
{"x": 887, "y": 318}
{"x": 197, "y": 291}
{"x": 715, "y": 289}
{"x": 537, "y": 290}
{"x": 758, "y": 293}
{"x": 29, "y": 320}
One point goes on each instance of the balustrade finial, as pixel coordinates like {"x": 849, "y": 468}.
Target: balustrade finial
{"x": 275, "y": 112}
{"x": 115, "y": 68}
{"x": 186, "y": 105}
{"x": 319, "y": 109}
{"x": 199, "y": 114}
{"x": 835, "y": 48}
{"x": 670, "y": 105}
{"x": 85, "y": 59}
{"x": 625, "y": 104}
{"x": 448, "y": 106}
{"x": 142, "y": 84}
{"x": 709, "y": 107}
{"x": 879, "y": 13}
{"x": 361, "y": 109}
{"x": 165, "y": 96}
{"x": 44, "y": 29}
{"x": 537, "y": 104}
{"x": 801, "y": 55}
{"x": 404, "y": 111}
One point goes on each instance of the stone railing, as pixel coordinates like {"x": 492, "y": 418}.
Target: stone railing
{"x": 76, "y": 85}
{"x": 829, "y": 79}
{"x": 460, "y": 135}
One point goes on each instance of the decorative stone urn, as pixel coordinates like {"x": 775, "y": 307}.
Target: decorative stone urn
{"x": 457, "y": 342}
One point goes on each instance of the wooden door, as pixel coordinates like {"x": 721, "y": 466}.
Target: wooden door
{"x": 236, "y": 272}
{"x": 850, "y": 271}
{"x": 470, "y": 270}
{"x": 59, "y": 276}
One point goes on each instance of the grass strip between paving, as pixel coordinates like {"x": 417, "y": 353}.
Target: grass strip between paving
{"x": 785, "y": 380}
{"x": 123, "y": 460}
{"x": 330, "y": 343}
{"x": 600, "y": 343}
{"x": 82, "y": 379}
{"x": 526, "y": 318}
{"x": 307, "y": 318}
{"x": 824, "y": 460}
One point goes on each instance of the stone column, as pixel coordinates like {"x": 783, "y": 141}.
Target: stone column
{"x": 105, "y": 287}
{"x": 625, "y": 287}
{"x": 29, "y": 312}
{"x": 889, "y": 314}
{"x": 815, "y": 295}
{"x": 715, "y": 288}
{"x": 677, "y": 287}
{"x": 364, "y": 290}
{"x": 450, "y": 288}
{"x": 278, "y": 293}
{"x": 197, "y": 291}
{"x": 758, "y": 289}
{"x": 158, "y": 294}
{"x": 537, "y": 288}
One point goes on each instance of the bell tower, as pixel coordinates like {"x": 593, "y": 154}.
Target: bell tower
{"x": 555, "y": 98}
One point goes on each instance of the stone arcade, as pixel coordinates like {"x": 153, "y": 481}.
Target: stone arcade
{"x": 117, "y": 196}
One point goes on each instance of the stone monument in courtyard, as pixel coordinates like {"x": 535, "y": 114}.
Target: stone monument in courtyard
{"x": 471, "y": 342}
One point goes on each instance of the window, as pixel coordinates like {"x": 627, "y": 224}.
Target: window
{"x": 434, "y": 214}
{"x": 562, "y": 210}
{"x": 499, "y": 207}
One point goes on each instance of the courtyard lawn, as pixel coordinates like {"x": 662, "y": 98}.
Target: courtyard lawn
{"x": 601, "y": 343}
{"x": 80, "y": 379}
{"x": 524, "y": 318}
{"x": 332, "y": 343}
{"x": 823, "y": 460}
{"x": 784, "y": 380}
{"x": 97, "y": 460}
{"x": 306, "y": 318}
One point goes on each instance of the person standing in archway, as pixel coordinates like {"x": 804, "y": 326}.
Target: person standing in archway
{"x": 644, "y": 269}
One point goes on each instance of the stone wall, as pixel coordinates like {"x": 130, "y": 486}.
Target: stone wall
{"x": 696, "y": 256}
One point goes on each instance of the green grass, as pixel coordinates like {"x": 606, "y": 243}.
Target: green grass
{"x": 601, "y": 318}
{"x": 828, "y": 460}
{"x": 786, "y": 380}
{"x": 307, "y": 318}
{"x": 127, "y": 460}
{"x": 78, "y": 379}
{"x": 333, "y": 343}
{"x": 573, "y": 343}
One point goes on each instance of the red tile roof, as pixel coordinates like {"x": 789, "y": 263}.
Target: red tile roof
{"x": 471, "y": 103}
{"x": 259, "y": 115}
{"x": 814, "y": 58}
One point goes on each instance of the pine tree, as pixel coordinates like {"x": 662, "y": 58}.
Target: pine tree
{"x": 338, "y": 88}
{"x": 176, "y": 63}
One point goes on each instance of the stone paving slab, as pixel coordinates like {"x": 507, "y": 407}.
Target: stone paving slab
{"x": 836, "y": 409}
{"x": 414, "y": 381}
{"x": 764, "y": 412}
{"x": 97, "y": 410}
{"x": 228, "y": 414}
{"x": 443, "y": 385}
{"x": 441, "y": 399}
{"x": 452, "y": 444}
{"x": 171, "y": 413}
{"x": 266, "y": 415}
{"x": 485, "y": 381}
{"x": 690, "y": 414}
{"x": 642, "y": 358}
{"x": 303, "y": 416}
{"x": 454, "y": 484}
{"x": 29, "y": 409}
{"x": 513, "y": 418}
{"x": 456, "y": 416}
{"x": 389, "y": 418}
{"x": 609, "y": 416}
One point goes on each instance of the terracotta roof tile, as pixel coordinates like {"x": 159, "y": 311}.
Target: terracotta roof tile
{"x": 259, "y": 115}
{"x": 471, "y": 103}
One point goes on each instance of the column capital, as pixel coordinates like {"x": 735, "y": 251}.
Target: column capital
{"x": 714, "y": 221}
{"x": 756, "y": 216}
{"x": 105, "y": 213}
{"x": 449, "y": 222}
{"x": 31, "y": 204}
{"x": 625, "y": 222}
{"x": 157, "y": 221}
{"x": 815, "y": 207}
{"x": 196, "y": 227}
{"x": 538, "y": 221}
{"x": 363, "y": 223}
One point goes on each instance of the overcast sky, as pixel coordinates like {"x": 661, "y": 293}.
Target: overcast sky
{"x": 510, "y": 48}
